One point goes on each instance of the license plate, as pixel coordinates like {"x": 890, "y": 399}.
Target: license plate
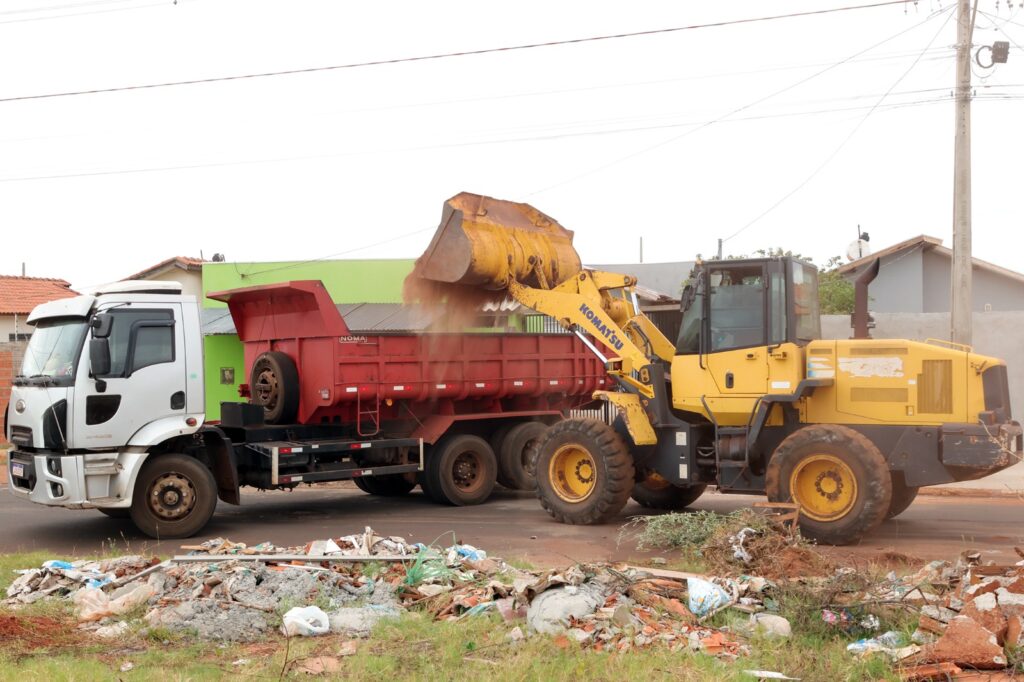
{"x": 17, "y": 470}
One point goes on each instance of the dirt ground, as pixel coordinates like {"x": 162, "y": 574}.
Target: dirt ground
{"x": 511, "y": 524}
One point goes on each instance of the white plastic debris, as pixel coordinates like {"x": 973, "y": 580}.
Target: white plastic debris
{"x": 705, "y": 596}
{"x": 94, "y": 604}
{"x": 305, "y": 621}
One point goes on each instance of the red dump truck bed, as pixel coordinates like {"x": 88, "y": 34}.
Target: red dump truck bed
{"x": 308, "y": 368}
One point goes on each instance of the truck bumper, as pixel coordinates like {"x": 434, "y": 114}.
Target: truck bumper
{"x": 74, "y": 481}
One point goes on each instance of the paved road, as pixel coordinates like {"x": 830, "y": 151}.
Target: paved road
{"x": 510, "y": 525}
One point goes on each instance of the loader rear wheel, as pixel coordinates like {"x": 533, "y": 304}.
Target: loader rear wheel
{"x": 903, "y": 495}
{"x": 584, "y": 472}
{"x": 655, "y": 492}
{"x": 174, "y": 496}
{"x": 518, "y": 454}
{"x": 837, "y": 476}
{"x": 461, "y": 470}
{"x": 388, "y": 485}
{"x": 274, "y": 382}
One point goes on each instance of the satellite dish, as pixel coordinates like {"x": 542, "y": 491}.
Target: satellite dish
{"x": 858, "y": 249}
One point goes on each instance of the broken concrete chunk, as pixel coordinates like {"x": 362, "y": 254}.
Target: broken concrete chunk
{"x": 967, "y": 644}
{"x": 985, "y": 611}
{"x": 359, "y": 621}
{"x": 549, "y": 613}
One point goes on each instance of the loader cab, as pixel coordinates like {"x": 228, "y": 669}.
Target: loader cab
{"x": 736, "y": 304}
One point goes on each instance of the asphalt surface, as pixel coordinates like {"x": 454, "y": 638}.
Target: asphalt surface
{"x": 511, "y": 525}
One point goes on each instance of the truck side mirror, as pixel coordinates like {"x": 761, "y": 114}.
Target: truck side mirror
{"x": 101, "y": 324}
{"x": 99, "y": 356}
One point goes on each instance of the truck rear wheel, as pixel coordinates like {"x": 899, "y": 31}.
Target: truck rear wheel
{"x": 174, "y": 496}
{"x": 584, "y": 472}
{"x": 496, "y": 440}
{"x": 389, "y": 485}
{"x": 274, "y": 383}
{"x": 903, "y": 495}
{"x": 657, "y": 493}
{"x": 518, "y": 454}
{"x": 461, "y": 470}
{"x": 837, "y": 476}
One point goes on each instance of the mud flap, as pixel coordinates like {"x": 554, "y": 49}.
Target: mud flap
{"x": 225, "y": 469}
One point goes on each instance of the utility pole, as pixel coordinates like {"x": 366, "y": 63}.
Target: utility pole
{"x": 961, "y": 299}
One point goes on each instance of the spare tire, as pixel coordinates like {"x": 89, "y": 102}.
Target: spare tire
{"x": 274, "y": 384}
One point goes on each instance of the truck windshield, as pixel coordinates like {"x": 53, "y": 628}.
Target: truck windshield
{"x": 53, "y": 350}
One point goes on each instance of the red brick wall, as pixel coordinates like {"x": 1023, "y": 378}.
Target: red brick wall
{"x": 11, "y": 355}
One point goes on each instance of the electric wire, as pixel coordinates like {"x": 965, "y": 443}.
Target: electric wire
{"x": 842, "y": 144}
{"x": 731, "y": 113}
{"x": 462, "y": 53}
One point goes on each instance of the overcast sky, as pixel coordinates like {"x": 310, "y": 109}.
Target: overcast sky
{"x": 679, "y": 137}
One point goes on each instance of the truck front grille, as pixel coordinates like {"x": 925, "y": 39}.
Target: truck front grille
{"x": 21, "y": 435}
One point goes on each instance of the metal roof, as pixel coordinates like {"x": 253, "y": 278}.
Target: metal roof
{"x": 360, "y": 317}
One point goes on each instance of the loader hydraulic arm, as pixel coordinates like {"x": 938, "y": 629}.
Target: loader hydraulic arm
{"x": 604, "y": 305}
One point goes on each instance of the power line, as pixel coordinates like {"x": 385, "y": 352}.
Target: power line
{"x": 849, "y": 137}
{"x": 95, "y": 11}
{"x": 513, "y": 140}
{"x": 729, "y": 114}
{"x": 464, "y": 53}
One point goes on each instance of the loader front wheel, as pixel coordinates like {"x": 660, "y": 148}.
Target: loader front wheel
{"x": 584, "y": 472}
{"x": 655, "y": 492}
{"x": 837, "y": 476}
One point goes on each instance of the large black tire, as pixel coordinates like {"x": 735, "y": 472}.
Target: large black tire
{"x": 903, "y": 495}
{"x": 274, "y": 384}
{"x": 584, "y": 472}
{"x": 389, "y": 485}
{"x": 660, "y": 494}
{"x": 115, "y": 512}
{"x": 174, "y": 496}
{"x": 496, "y": 440}
{"x": 461, "y": 470}
{"x": 837, "y": 476}
{"x": 518, "y": 455}
{"x": 361, "y": 484}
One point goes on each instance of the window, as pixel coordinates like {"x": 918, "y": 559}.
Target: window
{"x": 805, "y": 302}
{"x": 140, "y": 338}
{"x": 18, "y": 337}
{"x": 777, "y": 306}
{"x": 737, "y": 307}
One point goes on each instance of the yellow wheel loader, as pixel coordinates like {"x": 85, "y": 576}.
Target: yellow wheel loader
{"x": 748, "y": 398}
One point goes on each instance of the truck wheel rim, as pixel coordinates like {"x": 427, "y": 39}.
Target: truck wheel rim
{"x": 573, "y": 473}
{"x": 172, "y": 496}
{"x": 824, "y": 486}
{"x": 265, "y": 389}
{"x": 466, "y": 472}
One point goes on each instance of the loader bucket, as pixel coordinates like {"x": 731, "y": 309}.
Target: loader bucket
{"x": 485, "y": 242}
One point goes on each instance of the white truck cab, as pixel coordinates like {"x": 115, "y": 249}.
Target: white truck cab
{"x": 106, "y": 378}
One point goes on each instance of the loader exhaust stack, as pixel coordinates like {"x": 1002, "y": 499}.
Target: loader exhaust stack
{"x": 485, "y": 242}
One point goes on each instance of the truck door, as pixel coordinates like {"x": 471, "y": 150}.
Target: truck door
{"x": 146, "y": 381}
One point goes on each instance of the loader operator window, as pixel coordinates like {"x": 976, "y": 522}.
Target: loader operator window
{"x": 807, "y": 321}
{"x": 140, "y": 338}
{"x": 737, "y": 307}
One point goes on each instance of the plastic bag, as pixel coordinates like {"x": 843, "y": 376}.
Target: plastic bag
{"x": 94, "y": 604}
{"x": 305, "y": 621}
{"x": 705, "y": 597}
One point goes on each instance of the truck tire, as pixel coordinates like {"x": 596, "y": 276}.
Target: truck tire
{"x": 174, "y": 496}
{"x": 903, "y": 495}
{"x": 584, "y": 472}
{"x": 388, "y": 485}
{"x": 461, "y": 470}
{"x": 657, "y": 493}
{"x": 518, "y": 454}
{"x": 496, "y": 440}
{"x": 115, "y": 512}
{"x": 837, "y": 476}
{"x": 274, "y": 383}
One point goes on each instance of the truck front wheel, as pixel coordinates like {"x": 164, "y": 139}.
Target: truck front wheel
{"x": 837, "y": 476}
{"x": 174, "y": 496}
{"x": 584, "y": 472}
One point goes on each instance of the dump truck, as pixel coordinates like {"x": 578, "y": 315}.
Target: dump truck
{"x": 108, "y": 411}
{"x": 748, "y": 398}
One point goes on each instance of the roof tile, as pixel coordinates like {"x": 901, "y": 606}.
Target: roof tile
{"x": 19, "y": 295}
